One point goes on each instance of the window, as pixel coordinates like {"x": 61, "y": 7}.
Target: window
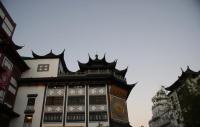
{"x": 71, "y": 117}
{"x": 43, "y": 67}
{"x": 9, "y": 98}
{"x": 54, "y": 101}
{"x": 28, "y": 120}
{"x": 97, "y": 100}
{"x": 76, "y": 100}
{"x": 31, "y": 101}
{"x": 7, "y": 63}
{"x": 30, "y": 104}
{"x": 53, "y": 117}
{"x": 98, "y": 116}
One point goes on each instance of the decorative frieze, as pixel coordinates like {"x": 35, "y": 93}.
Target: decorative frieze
{"x": 75, "y": 108}
{"x": 97, "y": 91}
{"x": 53, "y": 109}
{"x": 76, "y": 91}
{"x": 97, "y": 108}
{"x": 55, "y": 92}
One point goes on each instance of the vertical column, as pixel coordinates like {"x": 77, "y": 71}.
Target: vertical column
{"x": 98, "y": 112}
{"x": 54, "y": 105}
{"x": 75, "y": 109}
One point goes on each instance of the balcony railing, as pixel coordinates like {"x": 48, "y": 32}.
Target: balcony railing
{"x": 94, "y": 72}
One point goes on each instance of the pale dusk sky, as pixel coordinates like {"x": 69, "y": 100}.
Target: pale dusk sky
{"x": 154, "y": 38}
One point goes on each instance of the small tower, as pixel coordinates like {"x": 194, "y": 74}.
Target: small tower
{"x": 161, "y": 110}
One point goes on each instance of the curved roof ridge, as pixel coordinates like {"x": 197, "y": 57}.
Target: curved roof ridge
{"x": 52, "y": 55}
{"x": 122, "y": 72}
{"x": 48, "y": 55}
{"x": 15, "y": 46}
{"x": 96, "y": 62}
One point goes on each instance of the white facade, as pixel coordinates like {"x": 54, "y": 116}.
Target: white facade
{"x": 54, "y": 65}
{"x": 21, "y": 105}
{"x": 67, "y": 92}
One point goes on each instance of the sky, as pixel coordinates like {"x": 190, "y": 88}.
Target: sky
{"x": 154, "y": 38}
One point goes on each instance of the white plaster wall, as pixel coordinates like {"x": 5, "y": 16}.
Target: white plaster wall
{"x": 21, "y": 103}
{"x": 33, "y": 64}
{"x": 96, "y": 124}
{"x": 53, "y": 125}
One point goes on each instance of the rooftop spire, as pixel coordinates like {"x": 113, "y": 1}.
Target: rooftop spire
{"x": 96, "y": 56}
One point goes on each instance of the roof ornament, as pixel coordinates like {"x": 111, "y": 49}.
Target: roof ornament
{"x": 96, "y": 56}
{"x": 182, "y": 69}
{"x": 90, "y": 59}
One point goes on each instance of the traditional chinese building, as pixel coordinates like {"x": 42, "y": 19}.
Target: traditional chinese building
{"x": 182, "y": 103}
{"x": 51, "y": 95}
{"x": 11, "y": 67}
{"x": 185, "y": 97}
{"x": 40, "y": 91}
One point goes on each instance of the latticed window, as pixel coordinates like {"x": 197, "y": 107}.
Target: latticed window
{"x": 79, "y": 116}
{"x": 97, "y": 100}
{"x": 76, "y": 100}
{"x": 53, "y": 117}
{"x": 54, "y": 101}
{"x": 31, "y": 101}
{"x": 98, "y": 116}
{"x": 43, "y": 67}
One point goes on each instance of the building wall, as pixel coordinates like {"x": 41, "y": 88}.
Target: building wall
{"x": 61, "y": 90}
{"x": 176, "y": 110}
{"x": 33, "y": 64}
{"x": 21, "y": 104}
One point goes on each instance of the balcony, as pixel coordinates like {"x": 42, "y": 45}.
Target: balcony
{"x": 6, "y": 23}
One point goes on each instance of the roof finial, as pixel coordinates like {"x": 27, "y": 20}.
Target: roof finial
{"x": 96, "y": 56}
{"x": 182, "y": 69}
{"x": 51, "y": 52}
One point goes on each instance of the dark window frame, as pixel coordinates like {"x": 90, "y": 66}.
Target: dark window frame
{"x": 42, "y": 67}
{"x": 75, "y": 117}
{"x": 97, "y": 100}
{"x": 31, "y": 101}
{"x": 76, "y": 100}
{"x": 98, "y": 116}
{"x": 53, "y": 117}
{"x": 55, "y": 100}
